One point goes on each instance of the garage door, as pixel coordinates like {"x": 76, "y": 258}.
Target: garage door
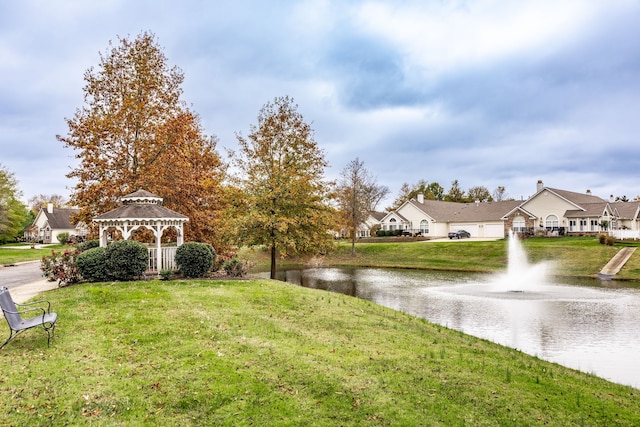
{"x": 494, "y": 230}
{"x": 471, "y": 228}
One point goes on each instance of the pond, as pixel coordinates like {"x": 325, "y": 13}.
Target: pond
{"x": 587, "y": 325}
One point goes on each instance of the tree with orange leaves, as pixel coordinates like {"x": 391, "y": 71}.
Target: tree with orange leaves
{"x": 134, "y": 132}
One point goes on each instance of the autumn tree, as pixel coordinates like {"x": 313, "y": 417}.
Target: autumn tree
{"x": 500, "y": 194}
{"x": 479, "y": 193}
{"x": 134, "y": 132}
{"x": 456, "y": 193}
{"x": 41, "y": 201}
{"x": 357, "y": 195}
{"x": 12, "y": 211}
{"x": 281, "y": 174}
{"x": 430, "y": 191}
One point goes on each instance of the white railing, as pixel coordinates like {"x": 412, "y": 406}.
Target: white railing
{"x": 168, "y": 258}
{"x": 625, "y": 234}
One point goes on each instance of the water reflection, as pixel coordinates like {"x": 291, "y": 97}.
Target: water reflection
{"x": 581, "y": 325}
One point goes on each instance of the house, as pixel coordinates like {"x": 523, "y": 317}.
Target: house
{"x": 50, "y": 222}
{"x": 627, "y": 215}
{"x": 549, "y": 211}
{"x": 437, "y": 218}
{"x": 555, "y": 211}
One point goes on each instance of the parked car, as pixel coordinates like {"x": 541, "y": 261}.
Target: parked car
{"x": 459, "y": 234}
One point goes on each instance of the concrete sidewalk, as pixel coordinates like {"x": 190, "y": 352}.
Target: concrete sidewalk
{"x": 616, "y": 263}
{"x": 23, "y": 293}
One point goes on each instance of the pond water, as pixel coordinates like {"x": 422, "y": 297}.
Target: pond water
{"x": 587, "y": 325}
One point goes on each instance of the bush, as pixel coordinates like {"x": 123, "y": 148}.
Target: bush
{"x": 126, "y": 259}
{"x": 236, "y": 267}
{"x": 194, "y": 259}
{"x": 610, "y": 240}
{"x": 89, "y": 244}
{"x": 92, "y": 265}
{"x": 165, "y": 274}
{"x": 63, "y": 238}
{"x": 61, "y": 266}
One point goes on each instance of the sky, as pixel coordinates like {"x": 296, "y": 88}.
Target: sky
{"x": 487, "y": 92}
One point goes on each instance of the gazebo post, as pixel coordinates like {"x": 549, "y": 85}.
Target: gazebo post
{"x": 158, "y": 233}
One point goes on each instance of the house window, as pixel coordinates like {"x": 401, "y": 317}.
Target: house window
{"x": 583, "y": 225}
{"x": 594, "y": 225}
{"x": 424, "y": 226}
{"x": 572, "y": 225}
{"x": 392, "y": 224}
{"x": 518, "y": 224}
{"x": 551, "y": 223}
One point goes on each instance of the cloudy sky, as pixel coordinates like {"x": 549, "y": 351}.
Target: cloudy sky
{"x": 487, "y": 92}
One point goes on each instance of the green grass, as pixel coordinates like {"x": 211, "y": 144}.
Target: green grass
{"x": 266, "y": 353}
{"x": 569, "y": 256}
{"x": 9, "y": 255}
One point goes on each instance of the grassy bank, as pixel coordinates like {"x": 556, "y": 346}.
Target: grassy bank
{"x": 569, "y": 256}
{"x": 267, "y": 353}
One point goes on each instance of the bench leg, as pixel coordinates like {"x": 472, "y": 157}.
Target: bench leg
{"x": 12, "y": 336}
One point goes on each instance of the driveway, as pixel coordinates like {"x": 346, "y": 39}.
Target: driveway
{"x": 469, "y": 239}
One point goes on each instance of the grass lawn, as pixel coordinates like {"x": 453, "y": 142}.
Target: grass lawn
{"x": 262, "y": 352}
{"x": 570, "y": 256}
{"x": 9, "y": 255}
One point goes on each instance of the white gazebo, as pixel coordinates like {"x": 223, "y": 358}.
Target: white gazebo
{"x": 144, "y": 209}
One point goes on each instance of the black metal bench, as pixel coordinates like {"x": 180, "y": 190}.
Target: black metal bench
{"x": 17, "y": 324}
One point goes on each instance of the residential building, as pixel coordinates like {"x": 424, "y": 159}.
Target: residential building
{"x": 549, "y": 211}
{"x": 51, "y": 222}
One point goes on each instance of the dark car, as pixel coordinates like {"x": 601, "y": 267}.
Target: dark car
{"x": 459, "y": 234}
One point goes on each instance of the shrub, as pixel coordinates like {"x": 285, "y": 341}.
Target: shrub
{"x": 236, "y": 267}
{"x": 92, "y": 265}
{"x": 89, "y": 244}
{"x": 610, "y": 240}
{"x": 194, "y": 259}
{"x": 165, "y": 274}
{"x": 63, "y": 238}
{"x": 61, "y": 266}
{"x": 602, "y": 238}
{"x": 126, "y": 259}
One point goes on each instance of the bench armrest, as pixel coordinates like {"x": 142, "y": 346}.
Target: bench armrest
{"x": 28, "y": 310}
{"x": 26, "y": 304}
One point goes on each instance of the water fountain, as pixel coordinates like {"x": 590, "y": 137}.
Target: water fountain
{"x": 521, "y": 276}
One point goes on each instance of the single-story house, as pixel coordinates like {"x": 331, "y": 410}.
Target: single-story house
{"x": 51, "y": 222}
{"x": 556, "y": 211}
{"x": 627, "y": 215}
{"x": 548, "y": 210}
{"x": 437, "y": 218}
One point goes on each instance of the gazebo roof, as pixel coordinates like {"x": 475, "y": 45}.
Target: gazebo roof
{"x": 141, "y": 206}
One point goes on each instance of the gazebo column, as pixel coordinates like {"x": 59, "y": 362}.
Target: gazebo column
{"x": 180, "y": 233}
{"x": 103, "y": 235}
{"x": 157, "y": 231}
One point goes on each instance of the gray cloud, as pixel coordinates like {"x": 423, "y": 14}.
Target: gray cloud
{"x": 489, "y": 94}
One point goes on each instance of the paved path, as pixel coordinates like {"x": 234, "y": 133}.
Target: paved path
{"x": 616, "y": 263}
{"x": 25, "y": 280}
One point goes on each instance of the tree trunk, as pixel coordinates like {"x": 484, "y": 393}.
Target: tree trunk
{"x": 273, "y": 261}
{"x": 353, "y": 245}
